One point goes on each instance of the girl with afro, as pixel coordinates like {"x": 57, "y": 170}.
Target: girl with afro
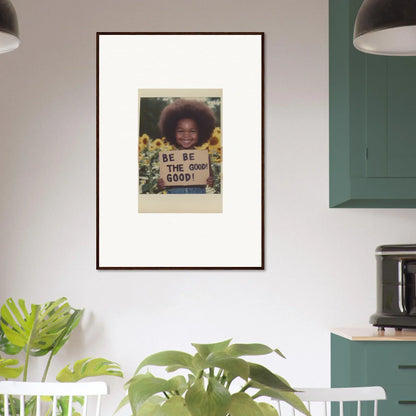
{"x": 186, "y": 124}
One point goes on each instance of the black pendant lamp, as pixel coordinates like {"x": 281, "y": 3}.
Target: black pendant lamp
{"x": 9, "y": 32}
{"x": 386, "y": 27}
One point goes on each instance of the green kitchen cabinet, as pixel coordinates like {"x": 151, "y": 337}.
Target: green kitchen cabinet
{"x": 372, "y": 121}
{"x": 390, "y": 364}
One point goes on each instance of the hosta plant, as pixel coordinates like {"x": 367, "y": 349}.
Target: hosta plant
{"x": 30, "y": 331}
{"x": 217, "y": 382}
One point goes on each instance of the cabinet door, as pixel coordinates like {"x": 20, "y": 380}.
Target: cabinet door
{"x": 391, "y": 117}
{"x": 372, "y": 121}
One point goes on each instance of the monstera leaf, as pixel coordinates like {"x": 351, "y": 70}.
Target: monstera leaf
{"x": 89, "y": 367}
{"x": 6, "y": 346}
{"x": 70, "y": 325}
{"x": 36, "y": 329}
{"x": 8, "y": 368}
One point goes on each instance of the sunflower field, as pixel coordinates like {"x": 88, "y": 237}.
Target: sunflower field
{"x": 148, "y": 158}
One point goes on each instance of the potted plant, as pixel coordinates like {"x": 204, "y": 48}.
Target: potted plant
{"x": 206, "y": 385}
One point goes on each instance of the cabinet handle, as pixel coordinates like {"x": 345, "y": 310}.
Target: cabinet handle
{"x": 407, "y": 402}
{"x": 407, "y": 367}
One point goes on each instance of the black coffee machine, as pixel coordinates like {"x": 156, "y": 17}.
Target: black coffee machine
{"x": 396, "y": 287}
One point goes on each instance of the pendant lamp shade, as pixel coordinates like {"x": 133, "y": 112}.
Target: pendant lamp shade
{"x": 9, "y": 32}
{"x": 386, "y": 27}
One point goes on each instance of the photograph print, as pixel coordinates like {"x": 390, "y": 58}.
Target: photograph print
{"x": 180, "y": 151}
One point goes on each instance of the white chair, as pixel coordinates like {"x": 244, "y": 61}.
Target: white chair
{"x": 52, "y": 393}
{"x": 317, "y": 400}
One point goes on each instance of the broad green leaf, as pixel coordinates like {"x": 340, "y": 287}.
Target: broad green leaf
{"x": 8, "y": 369}
{"x": 148, "y": 409}
{"x": 199, "y": 363}
{"x": 286, "y": 396}
{"x": 234, "y": 366}
{"x": 143, "y": 386}
{"x": 206, "y": 349}
{"x": 178, "y": 359}
{"x": 238, "y": 350}
{"x": 172, "y": 368}
{"x": 154, "y": 401}
{"x": 89, "y": 367}
{"x": 265, "y": 377}
{"x": 267, "y": 409}
{"x": 38, "y": 329}
{"x": 175, "y": 406}
{"x": 243, "y": 405}
{"x": 181, "y": 384}
{"x": 215, "y": 401}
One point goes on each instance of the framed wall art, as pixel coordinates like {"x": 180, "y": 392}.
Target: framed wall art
{"x": 180, "y": 149}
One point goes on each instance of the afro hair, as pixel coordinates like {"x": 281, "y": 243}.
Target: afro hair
{"x": 193, "y": 109}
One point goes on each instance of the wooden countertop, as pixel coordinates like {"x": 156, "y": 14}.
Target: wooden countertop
{"x": 373, "y": 334}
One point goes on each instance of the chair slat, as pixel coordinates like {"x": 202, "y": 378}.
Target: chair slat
{"x": 6, "y": 405}
{"x": 38, "y": 406}
{"x": 54, "y": 405}
{"x": 98, "y": 406}
{"x": 70, "y": 406}
{"x": 22, "y": 404}
{"x": 85, "y": 406}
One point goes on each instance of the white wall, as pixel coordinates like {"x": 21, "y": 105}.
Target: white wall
{"x": 320, "y": 267}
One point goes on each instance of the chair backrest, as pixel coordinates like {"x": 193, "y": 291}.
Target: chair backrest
{"x": 317, "y": 400}
{"x": 60, "y": 397}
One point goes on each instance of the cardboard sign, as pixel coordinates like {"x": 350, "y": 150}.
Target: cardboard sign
{"x": 184, "y": 167}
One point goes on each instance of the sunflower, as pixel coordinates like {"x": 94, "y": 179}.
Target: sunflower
{"x": 144, "y": 140}
{"x": 158, "y": 143}
{"x": 214, "y": 141}
{"x": 152, "y": 146}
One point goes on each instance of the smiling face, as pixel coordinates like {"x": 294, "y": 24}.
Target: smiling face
{"x": 186, "y": 133}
